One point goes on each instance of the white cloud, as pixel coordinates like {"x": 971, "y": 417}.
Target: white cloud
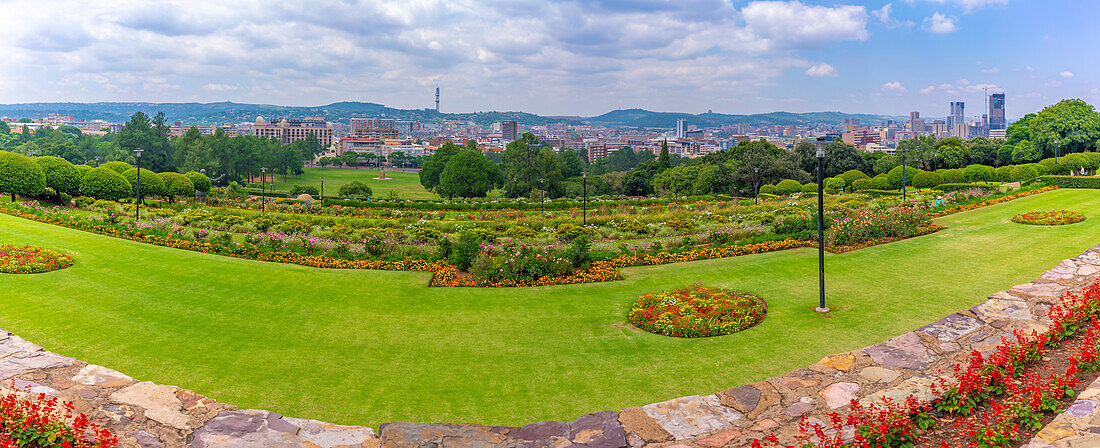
{"x": 928, "y": 89}
{"x": 885, "y": 16}
{"x": 973, "y": 5}
{"x": 1066, "y": 74}
{"x": 941, "y": 24}
{"x": 792, "y": 23}
{"x": 822, "y": 69}
{"x": 219, "y": 87}
{"x": 991, "y": 70}
{"x": 1053, "y": 83}
{"x": 895, "y": 87}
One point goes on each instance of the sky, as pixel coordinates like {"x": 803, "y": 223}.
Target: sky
{"x": 581, "y": 57}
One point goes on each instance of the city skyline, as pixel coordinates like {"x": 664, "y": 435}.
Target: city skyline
{"x": 558, "y": 58}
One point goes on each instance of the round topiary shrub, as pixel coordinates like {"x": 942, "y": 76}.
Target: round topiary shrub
{"x": 176, "y": 184}
{"x": 697, "y": 311}
{"x": 851, "y": 176}
{"x": 20, "y": 175}
{"x": 199, "y": 180}
{"x": 118, "y": 166}
{"x": 927, "y": 179}
{"x": 1049, "y": 218}
{"x": 767, "y": 189}
{"x": 810, "y": 187}
{"x": 863, "y": 184}
{"x": 834, "y": 185}
{"x": 61, "y": 175}
{"x": 151, "y": 184}
{"x": 83, "y": 169}
{"x": 1023, "y": 173}
{"x": 880, "y": 182}
{"x": 105, "y": 183}
{"x": 979, "y": 173}
{"x": 31, "y": 260}
{"x": 787, "y": 187}
{"x": 895, "y": 176}
{"x": 356, "y": 189}
{"x": 953, "y": 176}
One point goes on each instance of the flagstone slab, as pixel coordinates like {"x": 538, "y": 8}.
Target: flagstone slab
{"x": 93, "y": 375}
{"x": 905, "y": 351}
{"x": 951, "y": 327}
{"x": 687, "y": 417}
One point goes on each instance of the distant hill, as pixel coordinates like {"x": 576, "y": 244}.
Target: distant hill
{"x": 229, "y": 112}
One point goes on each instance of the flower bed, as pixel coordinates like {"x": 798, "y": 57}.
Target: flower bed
{"x": 696, "y": 312}
{"x": 1048, "y": 218}
{"x": 988, "y": 202}
{"x": 924, "y": 230}
{"x": 32, "y": 420}
{"x": 31, "y": 260}
{"x": 853, "y": 227}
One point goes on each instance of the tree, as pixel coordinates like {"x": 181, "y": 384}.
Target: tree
{"x": 983, "y": 151}
{"x": 151, "y": 136}
{"x": 927, "y": 179}
{"x": 61, "y": 175}
{"x": 468, "y": 174}
{"x": 356, "y": 189}
{"x": 1074, "y": 123}
{"x": 20, "y": 175}
{"x": 663, "y": 162}
{"x": 1025, "y": 152}
{"x": 199, "y": 181}
{"x": 351, "y": 158}
{"x": 176, "y": 184}
{"x": 4, "y": 129}
{"x": 151, "y": 184}
{"x": 839, "y": 157}
{"x": 639, "y": 181}
{"x": 886, "y": 163}
{"x": 952, "y": 154}
{"x": 895, "y": 176}
{"x": 433, "y": 168}
{"x": 105, "y": 183}
{"x": 571, "y": 163}
{"x": 528, "y": 167}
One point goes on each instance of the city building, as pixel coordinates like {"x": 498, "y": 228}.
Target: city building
{"x": 681, "y": 128}
{"x": 376, "y": 134}
{"x": 290, "y": 130}
{"x": 509, "y": 131}
{"x": 916, "y": 123}
{"x": 997, "y": 134}
{"x": 860, "y": 137}
{"x": 407, "y": 129}
{"x": 957, "y": 116}
{"x": 997, "y": 112}
{"x": 372, "y": 123}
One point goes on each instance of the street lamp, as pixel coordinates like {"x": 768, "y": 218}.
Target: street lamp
{"x": 821, "y": 308}
{"x": 756, "y": 185}
{"x": 584, "y": 189}
{"x": 935, "y": 155}
{"x": 137, "y": 192}
{"x": 675, "y": 191}
{"x": 542, "y": 200}
{"x": 903, "y": 151}
{"x": 1055, "y": 151}
{"x": 322, "y": 191}
{"x": 97, "y": 161}
{"x": 263, "y": 187}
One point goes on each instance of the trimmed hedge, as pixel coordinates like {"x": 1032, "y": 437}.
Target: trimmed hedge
{"x": 151, "y": 183}
{"x": 61, "y": 175}
{"x": 963, "y": 186}
{"x": 21, "y": 175}
{"x": 176, "y": 184}
{"x": 199, "y": 181}
{"x": 787, "y": 187}
{"x": 877, "y": 193}
{"x": 118, "y": 166}
{"x": 105, "y": 183}
{"x": 1072, "y": 181}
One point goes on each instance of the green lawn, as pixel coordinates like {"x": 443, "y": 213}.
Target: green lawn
{"x": 367, "y": 347}
{"x": 406, "y": 185}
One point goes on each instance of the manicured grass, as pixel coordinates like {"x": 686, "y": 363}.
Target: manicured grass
{"x": 406, "y": 185}
{"x": 363, "y": 347}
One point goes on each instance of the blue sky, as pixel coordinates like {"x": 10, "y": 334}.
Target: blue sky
{"x": 557, "y": 57}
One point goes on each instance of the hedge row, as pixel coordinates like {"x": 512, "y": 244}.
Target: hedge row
{"x": 533, "y": 205}
{"x": 946, "y": 188}
{"x": 1072, "y": 181}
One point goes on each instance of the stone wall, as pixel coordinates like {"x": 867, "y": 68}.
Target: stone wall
{"x": 148, "y": 415}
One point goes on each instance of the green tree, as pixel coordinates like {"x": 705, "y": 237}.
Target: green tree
{"x": 639, "y": 181}
{"x": 433, "y": 168}
{"x": 176, "y": 184}
{"x": 1025, "y": 152}
{"x": 952, "y": 154}
{"x": 468, "y": 174}
{"x": 20, "y": 175}
{"x": 1074, "y": 123}
{"x": 151, "y": 136}
{"x": 663, "y": 162}
{"x": 61, "y": 175}
{"x": 571, "y": 163}
{"x": 105, "y": 183}
{"x": 151, "y": 184}
{"x": 199, "y": 181}
{"x": 356, "y": 189}
{"x": 839, "y": 157}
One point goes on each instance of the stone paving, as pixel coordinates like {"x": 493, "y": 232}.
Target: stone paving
{"x": 148, "y": 415}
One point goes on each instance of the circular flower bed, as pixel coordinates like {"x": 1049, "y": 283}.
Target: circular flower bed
{"x": 1049, "y": 218}
{"x": 31, "y": 260}
{"x": 696, "y": 312}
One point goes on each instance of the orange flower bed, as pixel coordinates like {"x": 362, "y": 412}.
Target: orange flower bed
{"x": 988, "y": 202}
{"x": 925, "y": 230}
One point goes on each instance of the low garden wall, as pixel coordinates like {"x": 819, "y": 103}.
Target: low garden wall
{"x": 143, "y": 414}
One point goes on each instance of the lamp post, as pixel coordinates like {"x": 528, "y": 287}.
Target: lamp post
{"x": 1055, "y": 151}
{"x": 903, "y": 150}
{"x": 322, "y": 190}
{"x": 542, "y": 196}
{"x": 756, "y": 185}
{"x": 584, "y": 203}
{"x": 821, "y": 308}
{"x": 96, "y": 161}
{"x": 675, "y": 190}
{"x": 935, "y": 155}
{"x": 263, "y": 187}
{"x": 137, "y": 191}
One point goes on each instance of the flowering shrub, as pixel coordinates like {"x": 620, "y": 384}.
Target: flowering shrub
{"x": 29, "y": 420}
{"x": 519, "y": 263}
{"x": 854, "y": 226}
{"x": 988, "y": 202}
{"x": 1048, "y": 218}
{"x": 696, "y": 311}
{"x": 31, "y": 260}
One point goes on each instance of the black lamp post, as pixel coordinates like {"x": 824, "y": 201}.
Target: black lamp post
{"x": 584, "y": 203}
{"x": 542, "y": 196}
{"x": 903, "y": 150}
{"x": 821, "y": 308}
{"x": 137, "y": 191}
{"x": 935, "y": 155}
{"x": 756, "y": 185}
{"x": 263, "y": 188}
{"x": 1055, "y": 151}
{"x": 675, "y": 190}
{"x": 322, "y": 190}
{"x": 97, "y": 161}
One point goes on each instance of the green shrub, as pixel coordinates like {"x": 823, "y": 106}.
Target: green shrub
{"x": 1073, "y": 181}
{"x": 83, "y": 169}
{"x": 927, "y": 179}
{"x": 810, "y": 187}
{"x": 1023, "y": 173}
{"x": 20, "y": 175}
{"x": 151, "y": 184}
{"x": 634, "y": 226}
{"x": 678, "y": 223}
{"x": 895, "y": 176}
{"x": 794, "y": 224}
{"x": 176, "y": 184}
{"x": 851, "y": 176}
{"x": 194, "y": 215}
{"x": 979, "y": 173}
{"x": 519, "y": 231}
{"x": 788, "y": 187}
{"x": 199, "y": 181}
{"x": 880, "y": 182}
{"x": 483, "y": 234}
{"x": 293, "y": 226}
{"x": 423, "y": 234}
{"x": 465, "y": 252}
{"x": 1004, "y": 174}
{"x": 84, "y": 202}
{"x": 105, "y": 183}
{"x": 862, "y": 184}
{"x": 767, "y": 189}
{"x": 61, "y": 175}
{"x": 578, "y": 252}
{"x": 834, "y": 185}
{"x": 162, "y": 212}
{"x": 118, "y": 166}
{"x": 356, "y": 189}
{"x": 569, "y": 231}
{"x": 264, "y": 222}
{"x": 304, "y": 189}
{"x": 953, "y": 176}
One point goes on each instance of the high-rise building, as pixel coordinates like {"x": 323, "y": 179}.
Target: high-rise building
{"x": 997, "y": 111}
{"x": 373, "y": 123}
{"x": 957, "y": 116}
{"x": 509, "y": 131}
{"x": 916, "y": 123}
{"x": 850, "y": 123}
{"x": 681, "y": 128}
{"x": 290, "y": 130}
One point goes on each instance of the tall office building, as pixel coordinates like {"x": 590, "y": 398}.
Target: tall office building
{"x": 997, "y": 111}
{"x": 916, "y": 123}
{"x": 509, "y": 131}
{"x": 957, "y": 116}
{"x": 290, "y": 130}
{"x": 681, "y": 128}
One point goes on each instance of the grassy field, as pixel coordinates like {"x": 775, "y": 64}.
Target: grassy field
{"x": 367, "y": 347}
{"x": 406, "y": 185}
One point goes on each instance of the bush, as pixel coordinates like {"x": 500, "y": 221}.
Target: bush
{"x": 851, "y": 176}
{"x": 678, "y": 223}
{"x": 927, "y": 179}
{"x": 578, "y": 252}
{"x": 83, "y": 169}
{"x": 895, "y": 176}
{"x": 946, "y": 188}
{"x": 176, "y": 184}
{"x": 519, "y": 263}
{"x": 788, "y": 187}
{"x": 979, "y": 173}
{"x": 569, "y": 231}
{"x": 118, "y": 166}
{"x": 518, "y": 231}
{"x": 304, "y": 189}
{"x": 151, "y": 184}
{"x": 834, "y": 185}
{"x": 696, "y": 312}
{"x": 862, "y": 184}
{"x": 199, "y": 181}
{"x": 794, "y": 224}
{"x": 880, "y": 182}
{"x": 953, "y": 176}
{"x": 1023, "y": 173}
{"x": 356, "y": 189}
{"x": 293, "y": 226}
{"x": 1073, "y": 181}
{"x": 423, "y": 234}
{"x": 466, "y": 251}
{"x": 634, "y": 226}
{"x": 810, "y": 187}
{"x": 767, "y": 189}
{"x": 20, "y": 175}
{"x": 61, "y": 175}
{"x": 105, "y": 183}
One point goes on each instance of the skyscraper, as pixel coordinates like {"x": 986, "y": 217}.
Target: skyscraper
{"x": 681, "y": 128}
{"x": 509, "y": 131}
{"x": 957, "y": 116}
{"x": 916, "y": 123}
{"x": 997, "y": 111}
